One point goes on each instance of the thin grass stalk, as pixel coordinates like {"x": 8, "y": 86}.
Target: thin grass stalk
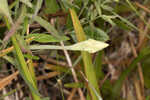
{"x": 73, "y": 71}
{"x": 137, "y": 13}
{"x": 31, "y": 69}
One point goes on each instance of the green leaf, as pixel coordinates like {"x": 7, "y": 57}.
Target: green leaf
{"x": 98, "y": 65}
{"x": 4, "y": 9}
{"x": 122, "y": 8}
{"x": 50, "y": 28}
{"x": 145, "y": 67}
{"x": 43, "y": 38}
{"x": 89, "y": 45}
{"x": 106, "y": 89}
{"x": 98, "y": 8}
{"x": 9, "y": 59}
{"x": 2, "y": 97}
{"x": 38, "y": 7}
{"x": 74, "y": 85}
{"x": 51, "y": 6}
{"x": 96, "y": 33}
{"x": 24, "y": 71}
{"x": 46, "y": 98}
{"x": 125, "y": 21}
{"x": 27, "y": 2}
{"x": 106, "y": 7}
{"x": 122, "y": 25}
{"x": 104, "y": 2}
{"x": 109, "y": 19}
{"x": 117, "y": 1}
{"x": 148, "y": 97}
{"x": 29, "y": 56}
{"x": 68, "y": 4}
{"x": 22, "y": 42}
{"x": 27, "y": 98}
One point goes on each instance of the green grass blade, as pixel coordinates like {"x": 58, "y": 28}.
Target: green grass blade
{"x": 2, "y": 97}
{"x": 137, "y": 13}
{"x": 77, "y": 26}
{"x": 31, "y": 69}
{"x": 98, "y": 65}
{"x": 117, "y": 87}
{"x": 51, "y": 6}
{"x": 4, "y": 9}
{"x": 38, "y": 7}
{"x": 43, "y": 38}
{"x": 49, "y": 28}
{"x": 27, "y": 2}
{"x": 88, "y": 66}
{"x": 25, "y": 71}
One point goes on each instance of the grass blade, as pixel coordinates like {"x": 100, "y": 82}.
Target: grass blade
{"x": 27, "y": 2}
{"x": 125, "y": 73}
{"x": 4, "y": 9}
{"x": 24, "y": 69}
{"x": 49, "y": 28}
{"x": 88, "y": 66}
